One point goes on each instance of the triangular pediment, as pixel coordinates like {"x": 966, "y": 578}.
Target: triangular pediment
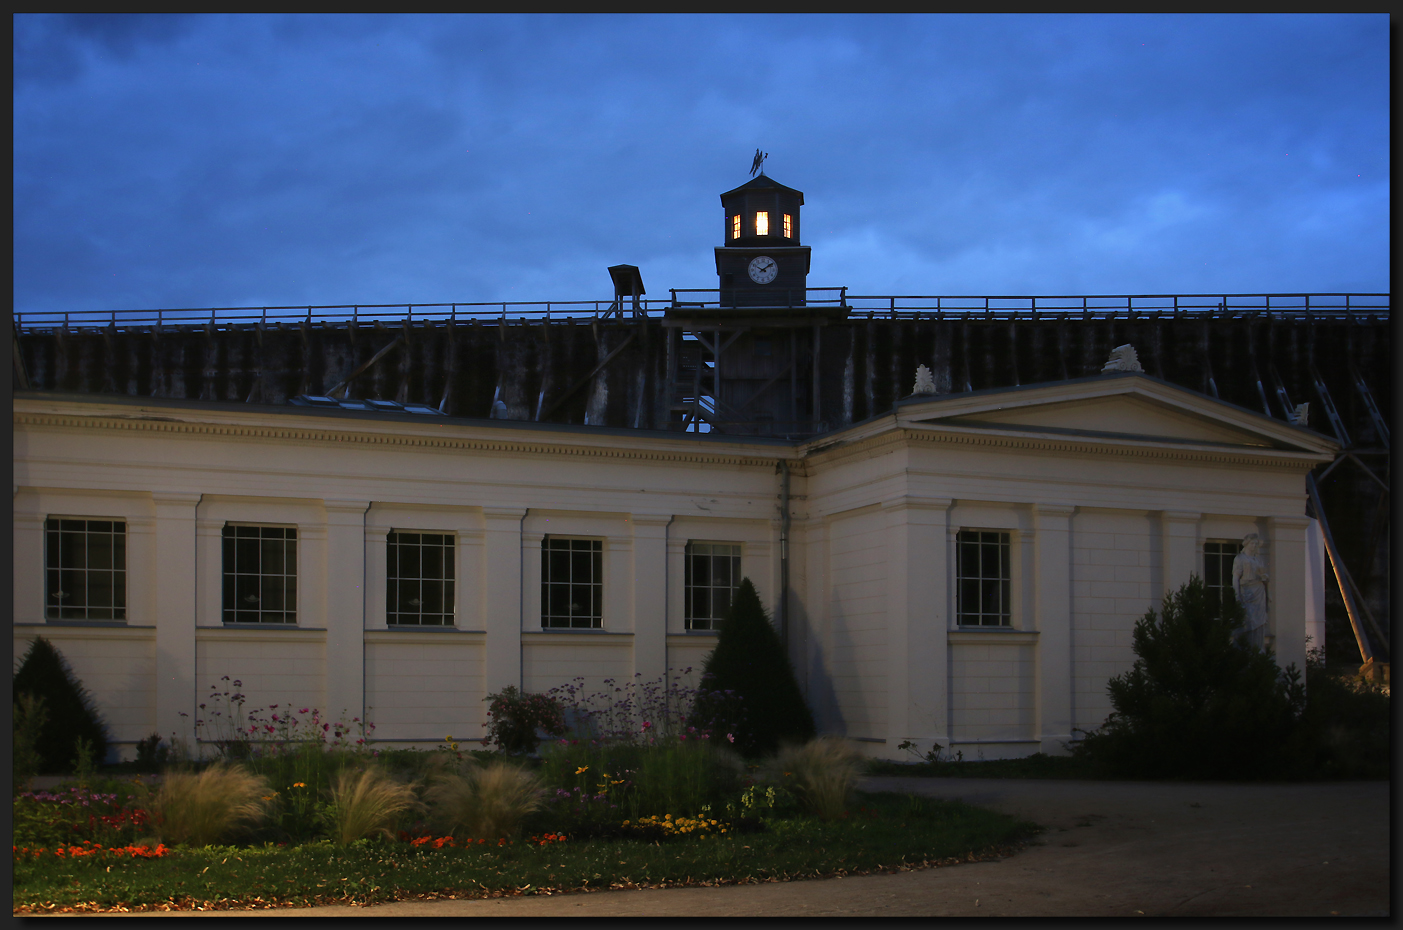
{"x": 1121, "y": 407}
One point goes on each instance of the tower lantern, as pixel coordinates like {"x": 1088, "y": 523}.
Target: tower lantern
{"x": 761, "y": 262}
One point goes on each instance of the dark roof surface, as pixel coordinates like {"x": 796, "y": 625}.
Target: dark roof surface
{"x": 762, "y": 183}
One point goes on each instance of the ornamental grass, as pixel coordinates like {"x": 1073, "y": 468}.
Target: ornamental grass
{"x": 485, "y": 801}
{"x": 200, "y": 809}
{"x": 367, "y": 803}
{"x": 821, "y": 773}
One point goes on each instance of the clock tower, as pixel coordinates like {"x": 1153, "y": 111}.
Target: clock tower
{"x": 762, "y": 263}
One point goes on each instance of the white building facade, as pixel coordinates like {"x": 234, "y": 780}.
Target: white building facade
{"x": 966, "y": 570}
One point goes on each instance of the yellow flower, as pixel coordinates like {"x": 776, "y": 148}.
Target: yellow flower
{"x": 582, "y": 769}
{"x": 299, "y": 784}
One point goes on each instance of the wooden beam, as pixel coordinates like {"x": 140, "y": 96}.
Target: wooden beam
{"x": 586, "y": 379}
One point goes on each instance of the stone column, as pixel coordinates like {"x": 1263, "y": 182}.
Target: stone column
{"x": 174, "y": 581}
{"x": 344, "y": 587}
{"x": 502, "y": 596}
{"x": 916, "y": 621}
{"x": 1286, "y": 588}
{"x": 1179, "y": 549}
{"x": 650, "y": 593}
{"x": 1052, "y": 616}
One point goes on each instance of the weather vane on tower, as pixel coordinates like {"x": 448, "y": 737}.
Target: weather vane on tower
{"x": 759, "y": 163}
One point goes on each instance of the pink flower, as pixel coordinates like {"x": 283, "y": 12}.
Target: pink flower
{"x": 302, "y": 711}
{"x": 325, "y": 727}
{"x": 730, "y": 737}
{"x": 275, "y": 716}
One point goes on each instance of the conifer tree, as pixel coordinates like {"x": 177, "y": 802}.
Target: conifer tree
{"x": 71, "y": 713}
{"x": 750, "y": 661}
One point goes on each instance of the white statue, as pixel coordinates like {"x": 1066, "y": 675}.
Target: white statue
{"x": 1123, "y": 358}
{"x": 925, "y": 383}
{"x": 1249, "y": 582}
{"x": 1301, "y": 417}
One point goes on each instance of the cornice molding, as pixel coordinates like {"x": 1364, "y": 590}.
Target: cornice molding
{"x": 824, "y": 454}
{"x": 876, "y": 444}
{"x": 447, "y": 443}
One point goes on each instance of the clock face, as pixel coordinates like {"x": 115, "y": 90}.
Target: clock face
{"x": 763, "y": 269}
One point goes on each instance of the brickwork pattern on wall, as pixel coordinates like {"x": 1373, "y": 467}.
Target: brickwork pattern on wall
{"x": 992, "y": 691}
{"x": 425, "y": 690}
{"x": 1115, "y": 579}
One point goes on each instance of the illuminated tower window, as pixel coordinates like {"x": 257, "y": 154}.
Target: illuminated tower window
{"x": 762, "y": 224}
{"x": 735, "y": 226}
{"x": 788, "y": 226}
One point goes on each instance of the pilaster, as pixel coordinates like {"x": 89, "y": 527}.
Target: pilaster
{"x": 1052, "y": 617}
{"x": 344, "y": 587}
{"x": 174, "y": 580}
{"x": 504, "y": 551}
{"x": 1179, "y": 546}
{"x": 650, "y": 546}
{"x": 917, "y": 619}
{"x": 1286, "y": 588}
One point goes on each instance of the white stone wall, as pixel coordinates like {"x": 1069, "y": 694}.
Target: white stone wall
{"x": 118, "y": 669}
{"x": 1115, "y": 579}
{"x": 1097, "y": 538}
{"x": 421, "y": 687}
{"x": 856, "y": 656}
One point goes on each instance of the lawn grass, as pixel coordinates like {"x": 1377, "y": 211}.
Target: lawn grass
{"x": 1038, "y": 765}
{"x": 882, "y": 832}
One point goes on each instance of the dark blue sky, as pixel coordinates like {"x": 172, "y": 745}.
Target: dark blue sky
{"x": 248, "y": 160}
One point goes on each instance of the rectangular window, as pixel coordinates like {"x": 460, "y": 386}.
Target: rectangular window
{"x": 762, "y": 224}
{"x": 419, "y": 579}
{"x": 260, "y": 574}
{"x": 735, "y": 226}
{"x": 572, "y": 584}
{"x": 85, "y": 563}
{"x": 982, "y": 579}
{"x": 1218, "y": 555}
{"x": 712, "y": 575}
{"x": 788, "y": 226}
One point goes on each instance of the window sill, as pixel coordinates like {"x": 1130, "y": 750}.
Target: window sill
{"x": 108, "y": 623}
{"x": 991, "y": 635}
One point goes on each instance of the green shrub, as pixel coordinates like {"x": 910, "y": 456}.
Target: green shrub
{"x": 513, "y": 719}
{"x": 367, "y": 803}
{"x": 1344, "y": 732}
{"x": 749, "y": 661}
{"x": 485, "y": 802}
{"x": 71, "y": 713}
{"x": 28, "y": 723}
{"x": 202, "y": 808}
{"x": 1196, "y": 704}
{"x": 821, "y": 773}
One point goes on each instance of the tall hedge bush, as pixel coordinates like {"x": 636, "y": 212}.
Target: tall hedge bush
{"x": 750, "y": 661}
{"x": 1197, "y": 704}
{"x": 71, "y": 714}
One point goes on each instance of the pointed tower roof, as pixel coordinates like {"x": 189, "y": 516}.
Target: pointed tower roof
{"x": 762, "y": 183}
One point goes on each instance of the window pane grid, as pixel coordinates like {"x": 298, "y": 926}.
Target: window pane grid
{"x": 983, "y": 580}
{"x": 572, "y": 583}
{"x": 419, "y": 579}
{"x": 260, "y": 574}
{"x": 1218, "y": 557}
{"x": 85, "y": 569}
{"x": 711, "y": 576}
